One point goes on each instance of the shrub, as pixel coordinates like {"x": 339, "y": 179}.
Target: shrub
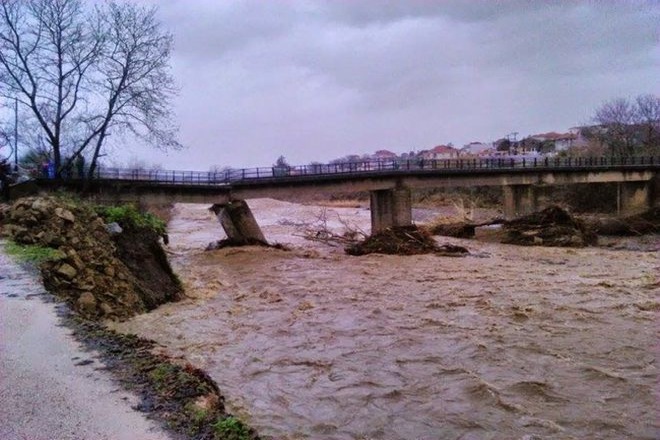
{"x": 129, "y": 217}
{"x": 230, "y": 428}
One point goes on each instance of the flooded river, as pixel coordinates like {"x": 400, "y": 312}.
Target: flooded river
{"x": 509, "y": 343}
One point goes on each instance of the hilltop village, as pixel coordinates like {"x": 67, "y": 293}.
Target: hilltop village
{"x": 583, "y": 140}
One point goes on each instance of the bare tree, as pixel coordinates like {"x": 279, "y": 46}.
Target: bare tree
{"x": 134, "y": 78}
{"x": 648, "y": 115}
{"x": 629, "y": 127}
{"x": 618, "y": 116}
{"x": 46, "y": 50}
{"x": 84, "y": 73}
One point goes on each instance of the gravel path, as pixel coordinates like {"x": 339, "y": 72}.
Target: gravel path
{"x": 49, "y": 387}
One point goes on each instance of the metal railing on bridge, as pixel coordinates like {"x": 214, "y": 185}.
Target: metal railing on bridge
{"x": 373, "y": 168}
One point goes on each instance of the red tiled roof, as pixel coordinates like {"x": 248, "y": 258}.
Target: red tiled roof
{"x": 442, "y": 149}
{"x": 384, "y": 153}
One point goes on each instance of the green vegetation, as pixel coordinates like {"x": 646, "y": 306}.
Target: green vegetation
{"x": 32, "y": 253}
{"x": 197, "y": 415}
{"x": 160, "y": 374}
{"x": 173, "y": 380}
{"x": 230, "y": 428}
{"x": 128, "y": 216}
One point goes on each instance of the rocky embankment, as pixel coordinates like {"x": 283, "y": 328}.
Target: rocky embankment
{"x": 108, "y": 264}
{"x": 100, "y": 272}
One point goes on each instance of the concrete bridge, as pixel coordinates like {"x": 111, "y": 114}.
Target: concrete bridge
{"x": 389, "y": 183}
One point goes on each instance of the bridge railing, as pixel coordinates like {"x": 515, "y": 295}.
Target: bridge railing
{"x": 371, "y": 167}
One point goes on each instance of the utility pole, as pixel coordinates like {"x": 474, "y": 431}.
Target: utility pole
{"x": 16, "y": 135}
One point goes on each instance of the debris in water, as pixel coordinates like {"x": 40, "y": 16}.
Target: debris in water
{"x": 552, "y": 226}
{"x": 647, "y": 222}
{"x": 404, "y": 240}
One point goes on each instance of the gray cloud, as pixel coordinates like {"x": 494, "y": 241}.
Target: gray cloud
{"x": 315, "y": 80}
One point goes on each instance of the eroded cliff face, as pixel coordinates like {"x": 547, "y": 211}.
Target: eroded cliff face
{"x": 101, "y": 276}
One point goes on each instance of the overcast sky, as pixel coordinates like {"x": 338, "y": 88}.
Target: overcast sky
{"x": 316, "y": 80}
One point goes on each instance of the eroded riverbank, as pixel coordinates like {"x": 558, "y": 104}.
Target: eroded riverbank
{"x": 508, "y": 343}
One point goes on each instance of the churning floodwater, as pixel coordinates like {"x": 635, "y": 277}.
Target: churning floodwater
{"x": 509, "y": 343}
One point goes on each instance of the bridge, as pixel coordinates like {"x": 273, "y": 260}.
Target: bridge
{"x": 389, "y": 183}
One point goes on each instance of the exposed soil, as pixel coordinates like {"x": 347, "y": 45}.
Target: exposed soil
{"x": 140, "y": 250}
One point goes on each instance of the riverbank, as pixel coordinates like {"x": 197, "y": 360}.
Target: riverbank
{"x": 113, "y": 267}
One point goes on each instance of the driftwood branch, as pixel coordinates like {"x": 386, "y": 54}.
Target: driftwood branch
{"x": 319, "y": 231}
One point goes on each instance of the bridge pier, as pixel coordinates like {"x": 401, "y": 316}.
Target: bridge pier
{"x": 634, "y": 197}
{"x": 519, "y": 200}
{"x": 390, "y": 208}
{"x": 238, "y": 222}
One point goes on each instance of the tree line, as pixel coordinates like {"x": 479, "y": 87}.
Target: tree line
{"x": 627, "y": 126}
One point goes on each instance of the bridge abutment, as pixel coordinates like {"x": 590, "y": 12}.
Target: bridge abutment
{"x": 238, "y": 222}
{"x": 519, "y": 200}
{"x": 390, "y": 208}
{"x": 634, "y": 197}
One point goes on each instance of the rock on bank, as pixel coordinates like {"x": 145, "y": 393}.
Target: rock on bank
{"x": 87, "y": 268}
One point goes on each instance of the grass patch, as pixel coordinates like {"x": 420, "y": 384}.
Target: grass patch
{"x": 230, "y": 428}
{"x": 32, "y": 253}
{"x": 128, "y": 216}
{"x": 174, "y": 381}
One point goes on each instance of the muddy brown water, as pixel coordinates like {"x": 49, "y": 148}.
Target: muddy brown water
{"x": 510, "y": 343}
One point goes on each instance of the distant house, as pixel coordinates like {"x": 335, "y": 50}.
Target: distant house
{"x": 440, "y": 152}
{"x": 384, "y": 155}
{"x": 554, "y": 141}
{"x": 583, "y": 134}
{"x": 477, "y": 149}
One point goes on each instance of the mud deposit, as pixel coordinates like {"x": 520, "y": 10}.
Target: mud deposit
{"x": 507, "y": 343}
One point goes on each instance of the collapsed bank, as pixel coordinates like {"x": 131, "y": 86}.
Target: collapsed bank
{"x": 108, "y": 264}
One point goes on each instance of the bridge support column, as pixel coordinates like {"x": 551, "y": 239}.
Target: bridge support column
{"x": 390, "y": 208}
{"x": 519, "y": 200}
{"x": 633, "y": 197}
{"x": 238, "y": 222}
